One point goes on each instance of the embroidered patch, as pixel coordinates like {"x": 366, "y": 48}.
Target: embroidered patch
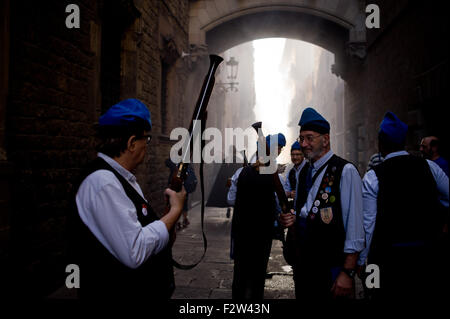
{"x": 326, "y": 214}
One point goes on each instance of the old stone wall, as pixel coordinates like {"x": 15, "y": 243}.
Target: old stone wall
{"x": 405, "y": 71}
{"x": 49, "y": 117}
{"x": 59, "y": 82}
{"x": 161, "y": 76}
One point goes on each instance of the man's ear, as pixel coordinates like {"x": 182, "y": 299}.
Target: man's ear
{"x": 131, "y": 143}
{"x": 326, "y": 140}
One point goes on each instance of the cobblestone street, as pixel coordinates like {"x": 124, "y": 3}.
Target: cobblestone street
{"x": 212, "y": 278}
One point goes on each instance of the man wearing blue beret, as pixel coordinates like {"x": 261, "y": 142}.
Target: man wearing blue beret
{"x": 299, "y": 162}
{"x": 119, "y": 243}
{"x": 254, "y": 200}
{"x": 401, "y": 216}
{"x": 231, "y": 195}
{"x": 327, "y": 224}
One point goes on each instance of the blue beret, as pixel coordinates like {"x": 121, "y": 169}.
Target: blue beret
{"x": 281, "y": 140}
{"x": 313, "y": 121}
{"x": 393, "y": 129}
{"x": 125, "y": 113}
{"x": 296, "y": 146}
{"x": 279, "y": 136}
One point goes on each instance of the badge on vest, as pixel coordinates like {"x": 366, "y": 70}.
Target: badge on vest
{"x": 326, "y": 214}
{"x": 144, "y": 209}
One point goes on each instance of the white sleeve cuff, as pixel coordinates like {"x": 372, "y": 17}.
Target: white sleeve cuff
{"x": 163, "y": 234}
{"x": 354, "y": 246}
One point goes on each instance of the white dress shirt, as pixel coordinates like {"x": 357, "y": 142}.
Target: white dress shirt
{"x": 351, "y": 202}
{"x": 370, "y": 194}
{"x": 111, "y": 216}
{"x": 231, "y": 195}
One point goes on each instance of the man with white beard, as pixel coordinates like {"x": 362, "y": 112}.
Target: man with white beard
{"x": 327, "y": 221}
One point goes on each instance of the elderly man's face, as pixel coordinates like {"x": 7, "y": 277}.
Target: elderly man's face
{"x": 140, "y": 147}
{"x": 313, "y": 144}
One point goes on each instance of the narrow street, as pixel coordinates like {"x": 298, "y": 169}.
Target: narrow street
{"x": 212, "y": 278}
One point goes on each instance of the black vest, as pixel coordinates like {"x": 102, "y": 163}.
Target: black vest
{"x": 321, "y": 237}
{"x": 254, "y": 210}
{"x": 292, "y": 178}
{"x": 101, "y": 274}
{"x": 407, "y": 206}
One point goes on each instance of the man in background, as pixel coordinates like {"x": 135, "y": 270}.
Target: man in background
{"x": 401, "y": 217}
{"x": 430, "y": 149}
{"x": 298, "y": 159}
{"x": 252, "y": 227}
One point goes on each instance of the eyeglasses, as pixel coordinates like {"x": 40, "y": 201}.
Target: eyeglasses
{"x": 148, "y": 138}
{"x": 308, "y": 138}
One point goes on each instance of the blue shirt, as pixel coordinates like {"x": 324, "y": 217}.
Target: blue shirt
{"x": 351, "y": 203}
{"x": 370, "y": 194}
{"x": 443, "y": 164}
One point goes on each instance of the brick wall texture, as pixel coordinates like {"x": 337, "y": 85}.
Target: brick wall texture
{"x": 54, "y": 99}
{"x": 405, "y": 71}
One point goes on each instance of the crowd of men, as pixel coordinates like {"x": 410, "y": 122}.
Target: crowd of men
{"x": 395, "y": 217}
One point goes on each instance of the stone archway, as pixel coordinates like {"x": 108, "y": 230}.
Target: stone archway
{"x": 336, "y": 26}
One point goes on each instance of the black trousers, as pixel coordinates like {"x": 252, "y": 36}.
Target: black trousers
{"x": 312, "y": 281}
{"x": 250, "y": 266}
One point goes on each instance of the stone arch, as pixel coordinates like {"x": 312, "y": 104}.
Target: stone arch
{"x": 336, "y": 25}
